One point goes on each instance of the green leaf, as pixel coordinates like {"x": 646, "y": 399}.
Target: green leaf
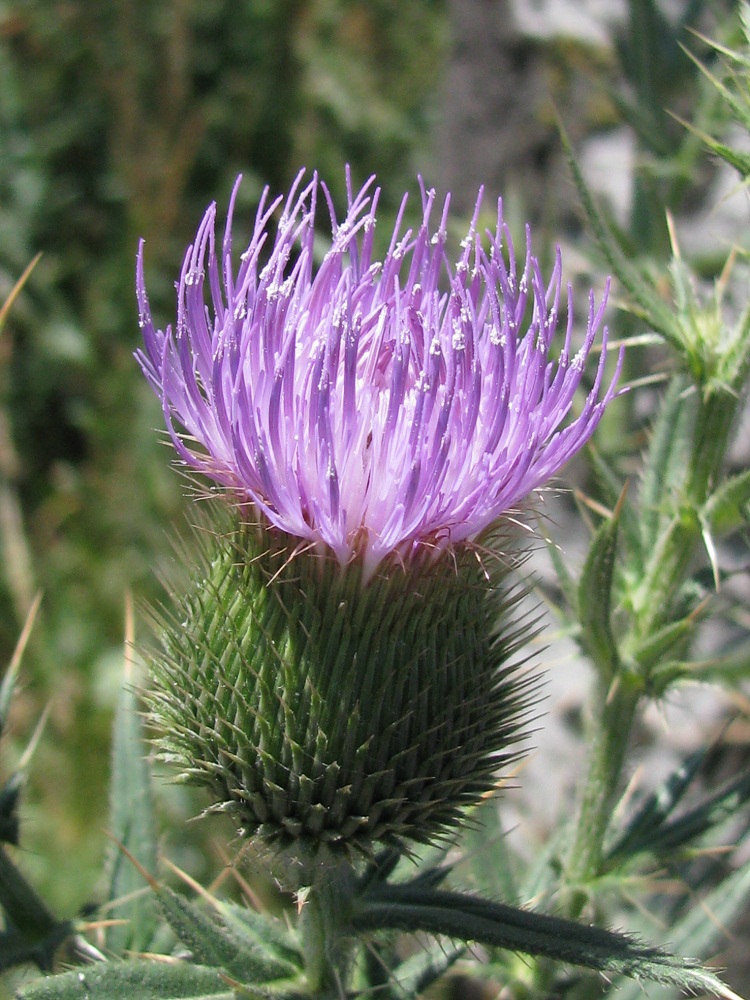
{"x": 708, "y": 815}
{"x": 416, "y": 974}
{"x": 734, "y": 157}
{"x": 489, "y": 865}
{"x": 667, "y": 674}
{"x": 666, "y": 462}
{"x": 611, "y": 485}
{"x": 32, "y": 933}
{"x": 595, "y": 596}
{"x": 467, "y": 918}
{"x": 729, "y": 668}
{"x": 132, "y": 980}
{"x": 132, "y": 821}
{"x": 651, "y": 306}
{"x": 564, "y": 578}
{"x": 644, "y": 123}
{"x": 242, "y": 957}
{"x": 734, "y": 96}
{"x": 727, "y": 508}
{"x": 668, "y": 835}
{"x": 652, "y": 651}
{"x": 256, "y": 929}
{"x": 656, "y": 808}
{"x": 11, "y": 790}
{"x": 540, "y": 878}
{"x": 703, "y": 926}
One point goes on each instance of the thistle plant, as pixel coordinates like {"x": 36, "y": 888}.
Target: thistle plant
{"x": 346, "y": 671}
{"x": 343, "y": 661}
{"x": 343, "y": 671}
{"x": 343, "y": 664}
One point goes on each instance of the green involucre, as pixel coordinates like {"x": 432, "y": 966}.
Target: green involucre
{"x": 320, "y": 708}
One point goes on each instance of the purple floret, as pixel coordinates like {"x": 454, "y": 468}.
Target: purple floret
{"x": 375, "y": 407}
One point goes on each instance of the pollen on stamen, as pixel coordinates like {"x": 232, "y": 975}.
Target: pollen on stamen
{"x": 193, "y": 277}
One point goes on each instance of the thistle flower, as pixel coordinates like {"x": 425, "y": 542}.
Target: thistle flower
{"x": 341, "y": 669}
{"x": 373, "y": 407}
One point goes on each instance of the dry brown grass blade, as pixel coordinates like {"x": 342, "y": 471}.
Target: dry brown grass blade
{"x": 17, "y": 561}
{"x": 16, "y": 291}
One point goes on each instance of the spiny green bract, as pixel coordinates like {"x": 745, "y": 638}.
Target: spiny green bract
{"x": 316, "y": 707}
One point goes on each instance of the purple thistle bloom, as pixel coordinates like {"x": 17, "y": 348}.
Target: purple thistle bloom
{"x": 375, "y": 407}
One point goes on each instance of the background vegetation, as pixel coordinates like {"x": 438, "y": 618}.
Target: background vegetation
{"x": 118, "y": 121}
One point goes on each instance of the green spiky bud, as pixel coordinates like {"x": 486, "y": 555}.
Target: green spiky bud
{"x": 318, "y": 707}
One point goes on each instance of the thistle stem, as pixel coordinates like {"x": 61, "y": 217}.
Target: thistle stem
{"x": 614, "y": 705}
{"x": 325, "y": 908}
{"x": 609, "y": 727}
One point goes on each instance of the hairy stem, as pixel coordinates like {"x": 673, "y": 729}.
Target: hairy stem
{"x": 609, "y": 730}
{"x": 325, "y": 928}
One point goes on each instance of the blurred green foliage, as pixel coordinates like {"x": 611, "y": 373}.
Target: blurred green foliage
{"x": 122, "y": 120}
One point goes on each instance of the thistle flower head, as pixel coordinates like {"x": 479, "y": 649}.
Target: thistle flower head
{"x": 368, "y": 412}
{"x": 372, "y": 407}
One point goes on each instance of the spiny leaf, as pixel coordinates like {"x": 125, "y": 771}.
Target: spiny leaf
{"x": 416, "y": 974}
{"x": 10, "y": 824}
{"x": 488, "y": 860}
{"x": 666, "y": 461}
{"x": 248, "y": 925}
{"x": 659, "y": 829}
{"x": 731, "y": 667}
{"x": 669, "y": 673}
{"x": 211, "y": 944}
{"x": 732, "y": 96}
{"x": 132, "y": 980}
{"x": 734, "y": 157}
{"x": 568, "y": 585}
{"x": 268, "y": 934}
{"x": 132, "y": 819}
{"x": 11, "y": 790}
{"x": 652, "y": 651}
{"x": 611, "y": 485}
{"x": 727, "y": 508}
{"x": 541, "y": 878}
{"x": 704, "y": 926}
{"x": 426, "y": 858}
{"x": 32, "y": 933}
{"x": 650, "y": 305}
{"x": 710, "y": 813}
{"x": 380, "y": 869}
{"x": 643, "y": 122}
{"x": 595, "y": 596}
{"x": 657, "y": 806}
{"x": 467, "y": 918}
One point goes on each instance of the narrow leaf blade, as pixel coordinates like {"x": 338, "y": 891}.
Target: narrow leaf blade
{"x": 595, "y": 596}
{"x": 132, "y": 980}
{"x": 467, "y": 918}
{"x": 212, "y": 944}
{"x": 727, "y": 508}
{"x": 666, "y": 462}
{"x": 132, "y": 820}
